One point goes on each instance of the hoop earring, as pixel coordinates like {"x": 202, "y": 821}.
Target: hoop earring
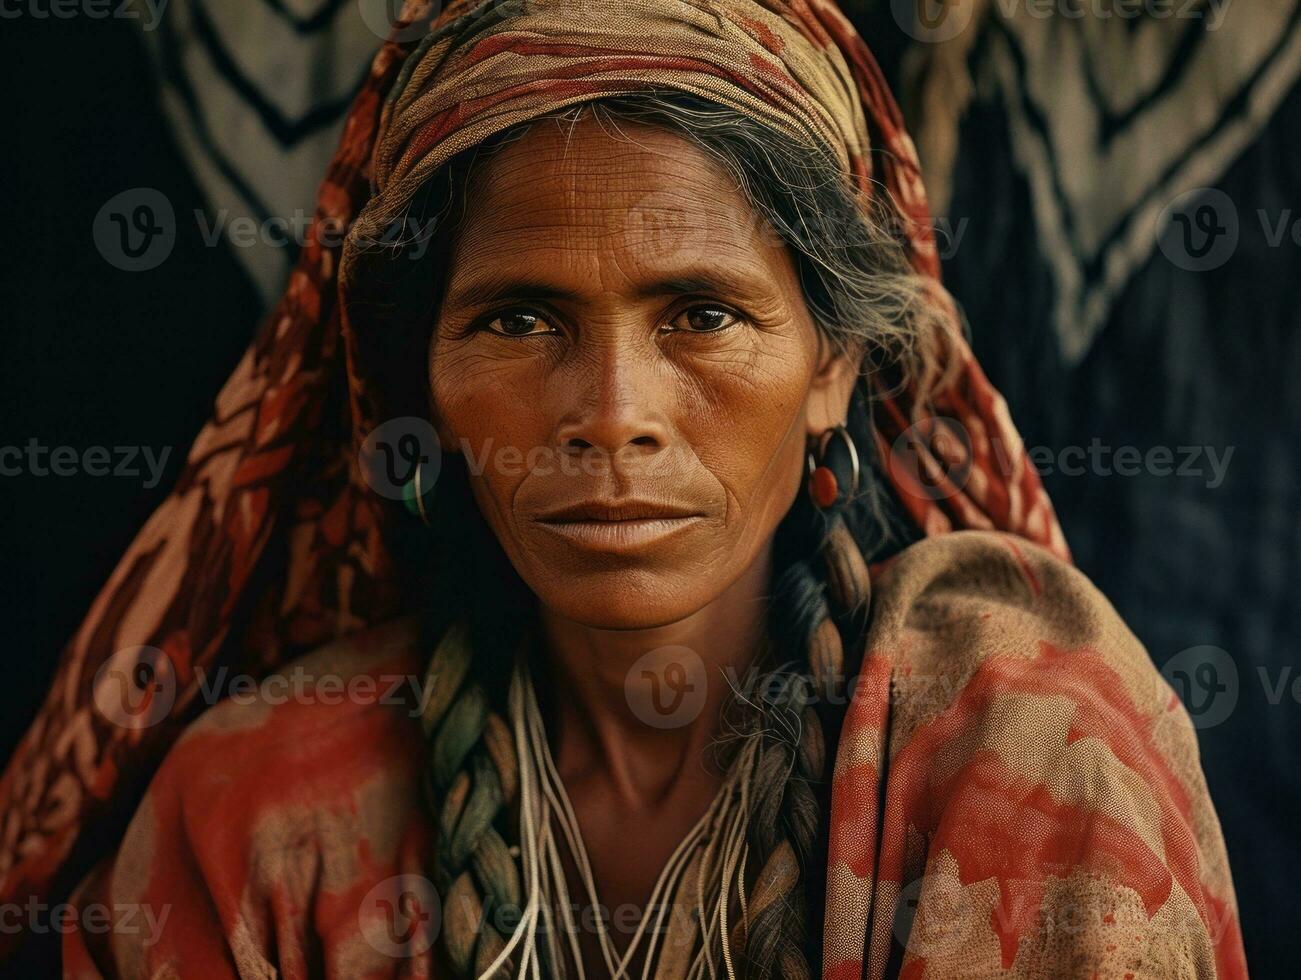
{"x": 413, "y": 496}
{"x": 829, "y": 467}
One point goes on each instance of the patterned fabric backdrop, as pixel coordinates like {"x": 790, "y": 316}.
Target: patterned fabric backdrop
{"x": 255, "y": 91}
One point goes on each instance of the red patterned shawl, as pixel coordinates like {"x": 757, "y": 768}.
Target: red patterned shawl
{"x": 271, "y": 543}
{"x": 1016, "y": 795}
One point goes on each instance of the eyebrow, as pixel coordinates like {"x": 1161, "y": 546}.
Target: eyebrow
{"x": 505, "y": 289}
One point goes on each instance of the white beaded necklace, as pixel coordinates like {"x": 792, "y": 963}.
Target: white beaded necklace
{"x": 714, "y": 852}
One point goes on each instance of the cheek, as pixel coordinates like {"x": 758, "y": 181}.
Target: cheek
{"x": 753, "y": 438}
{"x": 487, "y": 409}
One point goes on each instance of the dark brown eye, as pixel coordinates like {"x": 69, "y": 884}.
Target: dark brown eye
{"x": 519, "y": 323}
{"x": 704, "y": 319}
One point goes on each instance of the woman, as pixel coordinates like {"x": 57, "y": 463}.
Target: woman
{"x": 695, "y": 701}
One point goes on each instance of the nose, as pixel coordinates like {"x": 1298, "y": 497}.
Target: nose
{"x": 616, "y": 403}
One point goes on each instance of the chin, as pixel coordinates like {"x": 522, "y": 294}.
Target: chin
{"x": 625, "y": 585}
{"x": 628, "y": 599}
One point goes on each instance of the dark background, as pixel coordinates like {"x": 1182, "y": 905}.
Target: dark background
{"x": 92, "y": 355}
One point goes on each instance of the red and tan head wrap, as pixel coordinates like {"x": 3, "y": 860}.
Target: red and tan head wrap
{"x": 271, "y": 542}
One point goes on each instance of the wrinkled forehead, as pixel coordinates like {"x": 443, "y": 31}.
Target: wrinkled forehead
{"x": 601, "y": 206}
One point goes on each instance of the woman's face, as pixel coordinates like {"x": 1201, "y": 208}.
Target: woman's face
{"x": 625, "y": 360}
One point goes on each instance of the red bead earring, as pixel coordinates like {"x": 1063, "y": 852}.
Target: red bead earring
{"x": 823, "y": 485}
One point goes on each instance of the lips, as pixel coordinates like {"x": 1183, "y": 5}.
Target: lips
{"x": 614, "y": 511}
{"x": 619, "y": 525}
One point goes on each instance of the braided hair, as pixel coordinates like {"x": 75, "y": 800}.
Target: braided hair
{"x": 864, "y": 296}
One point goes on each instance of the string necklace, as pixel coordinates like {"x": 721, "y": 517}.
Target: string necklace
{"x": 706, "y": 873}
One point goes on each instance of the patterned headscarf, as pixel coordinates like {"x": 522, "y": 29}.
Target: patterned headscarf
{"x": 272, "y": 543}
